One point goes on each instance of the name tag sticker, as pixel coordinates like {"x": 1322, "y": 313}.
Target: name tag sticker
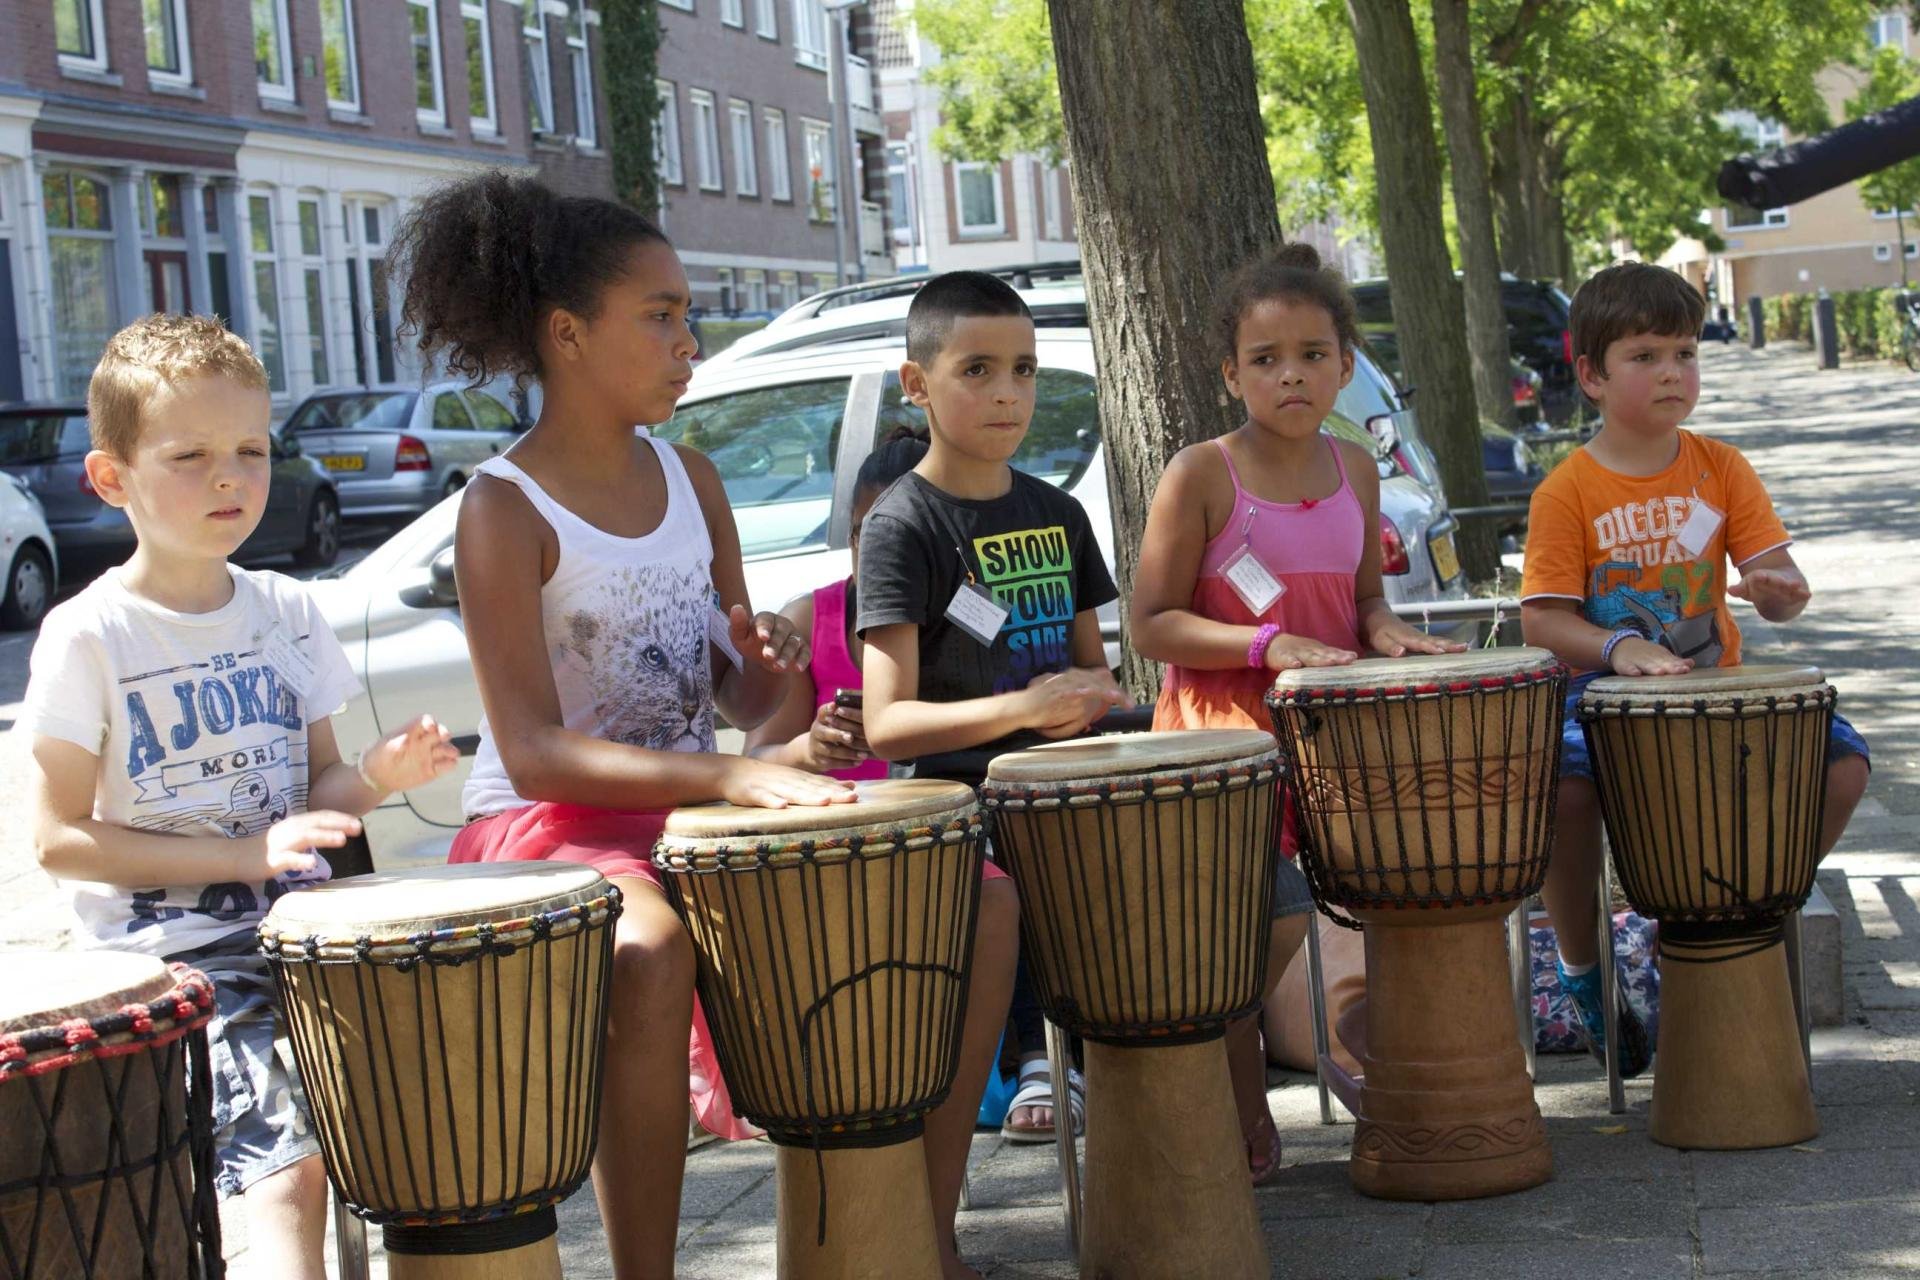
{"x": 976, "y": 612}
{"x": 1701, "y": 524}
{"x": 720, "y": 636}
{"x": 1251, "y": 581}
{"x": 283, "y": 655}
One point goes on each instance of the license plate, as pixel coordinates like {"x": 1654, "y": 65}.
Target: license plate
{"x": 1446, "y": 561}
{"x": 343, "y": 462}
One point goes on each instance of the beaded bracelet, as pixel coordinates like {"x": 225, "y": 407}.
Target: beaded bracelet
{"x": 1257, "y": 651}
{"x": 1613, "y": 642}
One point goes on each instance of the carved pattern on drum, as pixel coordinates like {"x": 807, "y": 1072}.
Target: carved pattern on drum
{"x": 1463, "y": 782}
{"x": 1373, "y": 1140}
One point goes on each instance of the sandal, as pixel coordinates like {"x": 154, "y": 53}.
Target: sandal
{"x": 1036, "y": 1090}
{"x": 1263, "y": 1155}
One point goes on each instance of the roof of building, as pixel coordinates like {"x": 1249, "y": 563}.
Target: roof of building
{"x": 893, "y": 45}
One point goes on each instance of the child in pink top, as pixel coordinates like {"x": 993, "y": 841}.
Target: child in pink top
{"x": 1259, "y": 556}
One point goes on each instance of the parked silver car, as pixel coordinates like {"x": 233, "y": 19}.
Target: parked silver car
{"x": 395, "y": 451}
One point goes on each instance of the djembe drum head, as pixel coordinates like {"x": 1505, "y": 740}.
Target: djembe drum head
{"x": 106, "y": 1170}
{"x": 833, "y": 946}
{"x": 448, "y": 1025}
{"x": 1426, "y": 781}
{"x": 1145, "y": 864}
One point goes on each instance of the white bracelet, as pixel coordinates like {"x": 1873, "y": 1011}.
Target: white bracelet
{"x": 360, "y": 768}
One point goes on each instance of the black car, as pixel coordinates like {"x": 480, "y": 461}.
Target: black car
{"x": 1538, "y": 332}
{"x": 46, "y": 446}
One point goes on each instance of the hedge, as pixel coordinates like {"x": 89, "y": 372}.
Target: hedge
{"x": 1868, "y": 323}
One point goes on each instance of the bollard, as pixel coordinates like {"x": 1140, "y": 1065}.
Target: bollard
{"x": 1826, "y": 333}
{"x": 1756, "y": 323}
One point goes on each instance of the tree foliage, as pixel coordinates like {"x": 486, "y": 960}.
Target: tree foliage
{"x": 1891, "y": 79}
{"x": 999, "y": 92}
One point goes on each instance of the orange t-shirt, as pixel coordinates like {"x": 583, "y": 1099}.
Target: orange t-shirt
{"x": 1614, "y": 543}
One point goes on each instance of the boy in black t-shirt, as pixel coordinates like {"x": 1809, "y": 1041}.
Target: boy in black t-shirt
{"x": 978, "y": 583}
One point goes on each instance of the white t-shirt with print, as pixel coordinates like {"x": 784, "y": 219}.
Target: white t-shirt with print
{"x": 198, "y": 734}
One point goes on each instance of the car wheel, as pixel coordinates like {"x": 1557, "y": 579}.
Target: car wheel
{"x": 29, "y": 590}
{"x": 455, "y": 483}
{"x": 322, "y": 546}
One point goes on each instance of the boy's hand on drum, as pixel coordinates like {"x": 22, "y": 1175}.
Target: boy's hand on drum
{"x": 1636, "y": 657}
{"x": 417, "y": 754}
{"x": 1286, "y": 653}
{"x": 769, "y": 639}
{"x": 1394, "y": 638}
{"x": 836, "y": 740}
{"x": 1772, "y": 591}
{"x": 290, "y": 842}
{"x": 755, "y": 784}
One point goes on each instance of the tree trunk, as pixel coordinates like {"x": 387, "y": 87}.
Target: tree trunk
{"x": 1527, "y": 172}
{"x": 1426, "y": 302}
{"x": 1168, "y": 203}
{"x": 1473, "y": 210}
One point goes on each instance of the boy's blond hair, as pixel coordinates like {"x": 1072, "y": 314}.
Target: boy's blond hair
{"x": 157, "y": 351}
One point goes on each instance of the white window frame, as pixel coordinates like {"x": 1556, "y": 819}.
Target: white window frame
{"x": 487, "y": 124}
{"x": 177, "y": 9}
{"x": 1764, "y": 135}
{"x": 810, "y": 19}
{"x": 437, "y": 116}
{"x": 97, "y": 33}
{"x": 586, "y": 125}
{"x": 1770, "y": 220}
{"x": 349, "y": 50}
{"x": 270, "y": 257}
{"x": 539, "y": 60}
{"x": 686, "y": 5}
{"x": 779, "y": 154}
{"x": 313, "y": 268}
{"x": 706, "y": 139}
{"x": 902, "y": 210}
{"x": 1888, "y": 28}
{"x": 282, "y": 91}
{"x": 1056, "y": 222}
{"x": 666, "y": 136}
{"x": 733, "y": 13}
{"x": 746, "y": 160}
{"x": 766, "y": 23}
{"x": 729, "y": 300}
{"x": 753, "y": 283}
{"x": 1883, "y": 253}
{"x": 809, "y": 130}
{"x": 998, "y": 227}
{"x": 789, "y": 287}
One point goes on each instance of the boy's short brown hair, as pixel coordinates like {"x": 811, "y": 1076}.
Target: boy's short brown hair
{"x": 1629, "y": 299}
{"x": 156, "y": 351}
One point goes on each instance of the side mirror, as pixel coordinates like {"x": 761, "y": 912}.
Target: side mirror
{"x": 440, "y": 590}
{"x": 290, "y": 444}
{"x": 1386, "y": 436}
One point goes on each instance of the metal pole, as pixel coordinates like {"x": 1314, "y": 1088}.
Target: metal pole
{"x": 1059, "y": 1063}
{"x": 1317, "y": 1010}
{"x": 837, "y": 100}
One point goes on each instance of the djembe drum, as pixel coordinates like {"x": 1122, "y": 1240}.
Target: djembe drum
{"x": 447, "y": 1024}
{"x": 106, "y": 1167}
{"x": 833, "y": 948}
{"x": 1145, "y": 864}
{"x": 1425, "y": 790}
{"x": 1713, "y": 785}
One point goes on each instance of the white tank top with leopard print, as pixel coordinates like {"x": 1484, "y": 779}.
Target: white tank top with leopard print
{"x": 626, "y": 630}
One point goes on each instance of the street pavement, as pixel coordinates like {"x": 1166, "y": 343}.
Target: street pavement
{"x": 1840, "y": 452}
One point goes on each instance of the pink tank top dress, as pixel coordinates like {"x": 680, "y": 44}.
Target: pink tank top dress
{"x": 833, "y": 666}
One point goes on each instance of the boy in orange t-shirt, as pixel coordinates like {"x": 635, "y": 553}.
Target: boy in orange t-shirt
{"x": 1628, "y": 547}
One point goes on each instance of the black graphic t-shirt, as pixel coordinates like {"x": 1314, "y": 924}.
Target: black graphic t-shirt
{"x": 1032, "y": 548}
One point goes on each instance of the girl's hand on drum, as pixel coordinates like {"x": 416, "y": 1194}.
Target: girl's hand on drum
{"x": 832, "y": 744}
{"x": 417, "y": 754}
{"x": 1635, "y": 657}
{"x": 1064, "y": 703}
{"x": 1285, "y": 653}
{"x": 1396, "y": 639}
{"x": 290, "y": 842}
{"x": 769, "y": 639}
{"x": 755, "y": 784}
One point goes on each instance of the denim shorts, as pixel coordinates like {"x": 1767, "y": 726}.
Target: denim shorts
{"x": 1291, "y": 894}
{"x": 1845, "y": 740}
{"x": 259, "y": 1111}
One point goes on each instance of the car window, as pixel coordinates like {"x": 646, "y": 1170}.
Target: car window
{"x": 449, "y": 414}
{"x": 41, "y": 437}
{"x": 1533, "y": 315}
{"x": 774, "y": 448}
{"x": 360, "y": 411}
{"x": 1062, "y": 441}
{"x": 489, "y": 414}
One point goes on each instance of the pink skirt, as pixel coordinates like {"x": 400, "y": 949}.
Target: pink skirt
{"x": 616, "y": 844}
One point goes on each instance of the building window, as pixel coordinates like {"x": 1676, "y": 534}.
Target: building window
{"x": 480, "y": 113}
{"x": 1056, "y": 202}
{"x": 779, "y": 164}
{"x": 539, "y": 70}
{"x": 819, "y": 144}
{"x": 163, "y": 197}
{"x": 764, "y": 21}
{"x": 78, "y": 34}
{"x": 823, "y": 282}
{"x": 733, "y": 12}
{"x": 339, "y": 58}
{"x": 313, "y": 270}
{"x": 706, "y": 138}
{"x": 977, "y": 187}
{"x": 900, "y": 193}
{"x": 746, "y": 168}
{"x": 787, "y": 292}
{"x": 80, "y": 252}
{"x": 169, "y": 60}
{"x": 810, "y": 34}
{"x": 266, "y": 291}
{"x": 272, "y": 50}
{"x": 1887, "y": 29}
{"x": 679, "y": 4}
{"x": 754, "y": 287}
{"x": 586, "y": 130}
{"x": 429, "y": 93}
{"x": 666, "y": 136}
{"x": 727, "y": 301}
